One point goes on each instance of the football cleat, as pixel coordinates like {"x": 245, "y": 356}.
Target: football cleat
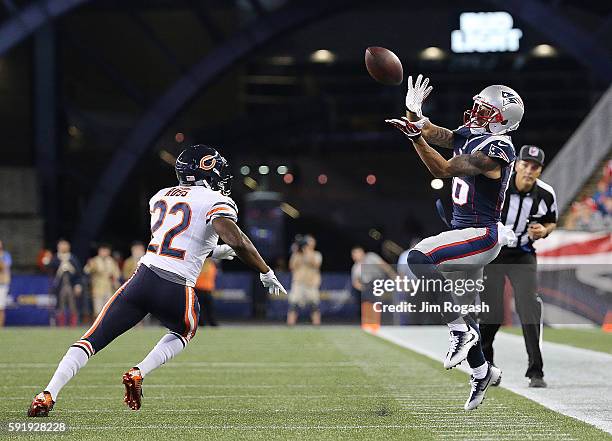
{"x": 479, "y": 387}
{"x": 496, "y": 383}
{"x": 41, "y": 405}
{"x": 460, "y": 345}
{"x": 132, "y": 380}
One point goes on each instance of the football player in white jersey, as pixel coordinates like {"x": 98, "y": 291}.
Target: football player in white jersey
{"x": 186, "y": 223}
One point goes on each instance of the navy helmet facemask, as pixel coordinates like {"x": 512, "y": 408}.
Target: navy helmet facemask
{"x": 203, "y": 165}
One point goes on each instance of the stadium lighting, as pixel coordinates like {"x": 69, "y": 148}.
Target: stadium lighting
{"x": 485, "y": 32}
{"x": 432, "y": 53}
{"x": 375, "y": 234}
{"x": 289, "y": 210}
{"x": 245, "y": 170}
{"x": 74, "y": 131}
{"x": 282, "y": 169}
{"x": 322, "y": 179}
{"x": 437, "y": 184}
{"x": 371, "y": 179}
{"x": 250, "y": 182}
{"x": 544, "y": 51}
{"x": 323, "y": 56}
{"x": 264, "y": 169}
{"x": 392, "y": 247}
{"x": 288, "y": 178}
{"x": 167, "y": 157}
{"x": 281, "y": 60}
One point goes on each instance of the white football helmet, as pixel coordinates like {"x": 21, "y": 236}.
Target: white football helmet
{"x": 497, "y": 109}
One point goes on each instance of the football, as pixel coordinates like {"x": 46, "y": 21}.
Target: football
{"x": 384, "y": 66}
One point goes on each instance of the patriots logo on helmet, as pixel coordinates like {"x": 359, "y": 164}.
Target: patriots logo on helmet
{"x": 510, "y": 98}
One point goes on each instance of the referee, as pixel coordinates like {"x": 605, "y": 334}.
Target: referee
{"x": 530, "y": 208}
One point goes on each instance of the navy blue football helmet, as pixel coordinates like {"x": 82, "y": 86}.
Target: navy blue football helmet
{"x": 203, "y": 165}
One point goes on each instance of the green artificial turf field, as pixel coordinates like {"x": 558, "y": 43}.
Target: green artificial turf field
{"x": 587, "y": 338}
{"x": 267, "y": 383}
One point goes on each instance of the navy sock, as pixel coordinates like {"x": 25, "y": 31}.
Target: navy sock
{"x": 475, "y": 357}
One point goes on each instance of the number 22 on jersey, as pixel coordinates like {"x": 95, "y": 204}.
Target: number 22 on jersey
{"x": 171, "y": 223}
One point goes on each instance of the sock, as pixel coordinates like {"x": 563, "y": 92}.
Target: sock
{"x": 458, "y": 326}
{"x": 475, "y": 357}
{"x": 168, "y": 347}
{"x": 481, "y": 371}
{"x": 74, "y": 360}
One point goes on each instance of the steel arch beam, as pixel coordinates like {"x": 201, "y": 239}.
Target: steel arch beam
{"x": 29, "y": 19}
{"x": 163, "y": 111}
{"x": 580, "y": 44}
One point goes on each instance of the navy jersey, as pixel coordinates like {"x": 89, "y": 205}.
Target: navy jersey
{"x": 478, "y": 200}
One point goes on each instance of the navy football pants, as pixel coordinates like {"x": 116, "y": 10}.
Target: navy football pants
{"x": 174, "y": 305}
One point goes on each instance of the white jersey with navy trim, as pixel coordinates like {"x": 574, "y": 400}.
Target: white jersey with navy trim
{"x": 182, "y": 234}
{"x": 478, "y": 200}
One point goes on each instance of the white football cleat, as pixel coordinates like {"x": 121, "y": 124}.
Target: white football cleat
{"x": 479, "y": 387}
{"x": 460, "y": 345}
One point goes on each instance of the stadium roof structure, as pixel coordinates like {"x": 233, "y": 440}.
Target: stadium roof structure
{"x": 261, "y": 22}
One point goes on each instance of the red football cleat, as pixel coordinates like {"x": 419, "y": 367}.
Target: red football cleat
{"x": 132, "y": 380}
{"x": 41, "y": 405}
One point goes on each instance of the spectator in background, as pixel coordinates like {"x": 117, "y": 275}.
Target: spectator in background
{"x": 5, "y": 280}
{"x": 44, "y": 255}
{"x": 65, "y": 269}
{"x": 305, "y": 265}
{"x": 602, "y": 197}
{"x": 368, "y": 267}
{"x": 119, "y": 260}
{"x": 204, "y": 287}
{"x": 104, "y": 273}
{"x": 130, "y": 264}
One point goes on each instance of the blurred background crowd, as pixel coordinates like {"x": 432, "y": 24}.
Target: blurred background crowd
{"x": 593, "y": 212}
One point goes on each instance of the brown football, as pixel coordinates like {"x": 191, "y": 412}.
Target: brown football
{"x": 384, "y": 66}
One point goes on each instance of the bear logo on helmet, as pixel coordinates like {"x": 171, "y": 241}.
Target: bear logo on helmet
{"x": 208, "y": 162}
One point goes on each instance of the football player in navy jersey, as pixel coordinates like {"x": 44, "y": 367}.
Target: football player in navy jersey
{"x": 481, "y": 165}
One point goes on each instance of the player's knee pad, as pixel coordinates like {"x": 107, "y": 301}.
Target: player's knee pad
{"x": 419, "y": 263}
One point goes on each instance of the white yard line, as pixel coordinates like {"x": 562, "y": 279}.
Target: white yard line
{"x": 578, "y": 379}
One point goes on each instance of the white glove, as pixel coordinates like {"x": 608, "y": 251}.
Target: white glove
{"x": 223, "y": 252}
{"x": 416, "y": 94}
{"x": 411, "y": 129}
{"x": 270, "y": 281}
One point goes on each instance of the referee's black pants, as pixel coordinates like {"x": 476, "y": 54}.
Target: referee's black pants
{"x": 521, "y": 270}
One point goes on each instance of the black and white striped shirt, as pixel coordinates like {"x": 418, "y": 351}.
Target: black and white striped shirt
{"x": 537, "y": 205}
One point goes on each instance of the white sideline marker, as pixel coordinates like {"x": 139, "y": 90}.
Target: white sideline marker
{"x": 578, "y": 379}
